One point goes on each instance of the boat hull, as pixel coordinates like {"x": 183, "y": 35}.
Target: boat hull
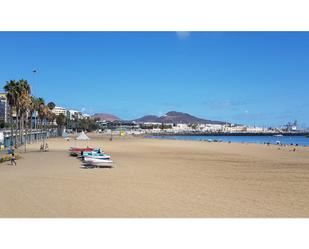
{"x": 98, "y": 162}
{"x": 105, "y": 157}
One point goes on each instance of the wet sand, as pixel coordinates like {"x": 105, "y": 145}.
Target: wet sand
{"x": 158, "y": 178}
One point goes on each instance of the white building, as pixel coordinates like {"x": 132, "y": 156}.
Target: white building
{"x": 85, "y": 116}
{"x": 58, "y": 110}
{"x": 256, "y": 129}
{"x": 181, "y": 128}
{"x": 72, "y": 114}
{"x": 236, "y": 128}
{"x": 211, "y": 127}
{"x": 151, "y": 123}
{"x": 4, "y": 108}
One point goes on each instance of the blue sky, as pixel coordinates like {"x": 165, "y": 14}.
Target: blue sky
{"x": 255, "y": 78}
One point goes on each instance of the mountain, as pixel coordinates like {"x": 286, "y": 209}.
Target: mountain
{"x": 106, "y": 116}
{"x": 147, "y": 118}
{"x": 176, "y": 117}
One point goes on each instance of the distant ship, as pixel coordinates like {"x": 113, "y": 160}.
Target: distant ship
{"x": 279, "y": 135}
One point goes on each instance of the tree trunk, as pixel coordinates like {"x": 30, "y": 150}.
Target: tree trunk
{"x": 40, "y": 125}
{"x": 30, "y": 140}
{"x": 11, "y": 121}
{"x": 16, "y": 130}
{"x": 36, "y": 125}
{"x": 43, "y": 129}
{"x": 21, "y": 119}
{"x": 26, "y": 131}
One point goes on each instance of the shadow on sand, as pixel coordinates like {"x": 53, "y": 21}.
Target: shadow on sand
{"x": 94, "y": 167}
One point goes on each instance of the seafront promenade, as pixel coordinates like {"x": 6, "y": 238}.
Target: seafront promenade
{"x": 27, "y": 137}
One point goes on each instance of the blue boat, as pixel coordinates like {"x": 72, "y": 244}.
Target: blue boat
{"x": 96, "y": 153}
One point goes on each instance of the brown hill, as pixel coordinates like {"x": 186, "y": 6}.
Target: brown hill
{"x": 106, "y": 117}
{"x": 147, "y": 118}
{"x": 177, "y": 117}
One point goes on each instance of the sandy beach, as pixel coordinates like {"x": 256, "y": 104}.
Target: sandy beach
{"x": 158, "y": 178}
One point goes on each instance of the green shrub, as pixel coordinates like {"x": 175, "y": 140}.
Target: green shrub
{"x": 7, "y": 158}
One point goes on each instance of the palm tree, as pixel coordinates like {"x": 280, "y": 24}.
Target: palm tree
{"x": 12, "y": 96}
{"x": 51, "y": 118}
{"x": 40, "y": 106}
{"x": 17, "y": 111}
{"x": 32, "y": 109}
{"x": 61, "y": 121}
{"x": 21, "y": 102}
{"x": 36, "y": 102}
{"x": 24, "y": 106}
{"x": 39, "y": 103}
{"x": 51, "y": 105}
{"x": 43, "y": 112}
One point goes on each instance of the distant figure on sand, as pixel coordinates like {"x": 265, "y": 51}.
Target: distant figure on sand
{"x": 44, "y": 147}
{"x": 13, "y": 159}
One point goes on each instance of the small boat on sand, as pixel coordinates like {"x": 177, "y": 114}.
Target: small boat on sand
{"x": 75, "y": 151}
{"x": 97, "y": 156}
{"x": 95, "y": 153}
{"x": 98, "y": 162}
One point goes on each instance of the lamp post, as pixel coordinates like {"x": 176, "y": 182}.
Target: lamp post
{"x": 35, "y": 112}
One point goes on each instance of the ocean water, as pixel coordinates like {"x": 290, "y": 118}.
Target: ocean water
{"x": 288, "y": 140}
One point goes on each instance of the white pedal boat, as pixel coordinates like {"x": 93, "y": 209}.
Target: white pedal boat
{"x": 103, "y": 157}
{"x": 98, "y": 162}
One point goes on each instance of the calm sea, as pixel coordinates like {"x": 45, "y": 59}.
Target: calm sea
{"x": 300, "y": 140}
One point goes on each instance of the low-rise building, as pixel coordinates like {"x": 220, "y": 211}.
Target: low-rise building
{"x": 211, "y": 127}
{"x": 4, "y": 108}
{"x": 255, "y": 129}
{"x": 85, "y": 116}
{"x": 59, "y": 110}
{"x": 236, "y": 128}
{"x": 73, "y": 114}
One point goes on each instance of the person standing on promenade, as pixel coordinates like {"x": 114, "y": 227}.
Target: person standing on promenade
{"x": 13, "y": 159}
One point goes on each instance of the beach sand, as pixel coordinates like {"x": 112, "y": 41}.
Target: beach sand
{"x": 158, "y": 178}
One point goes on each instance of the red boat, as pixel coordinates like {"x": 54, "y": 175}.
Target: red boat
{"x": 74, "y": 151}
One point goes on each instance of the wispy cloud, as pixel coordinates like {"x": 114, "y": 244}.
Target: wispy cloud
{"x": 182, "y": 35}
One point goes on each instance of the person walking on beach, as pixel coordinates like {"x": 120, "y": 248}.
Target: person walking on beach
{"x": 13, "y": 159}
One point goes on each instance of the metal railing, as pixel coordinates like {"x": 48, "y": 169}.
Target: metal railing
{"x": 34, "y": 136}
